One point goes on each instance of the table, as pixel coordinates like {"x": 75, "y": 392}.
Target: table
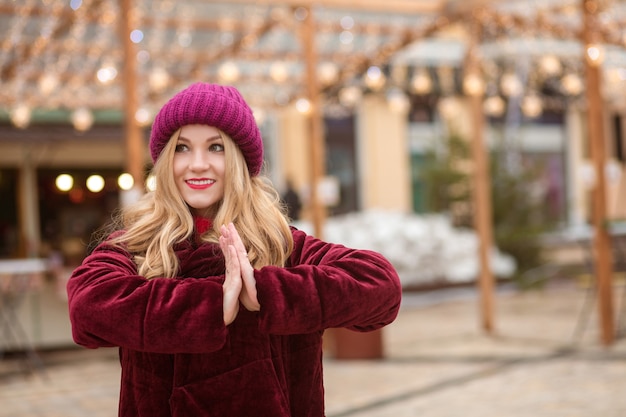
{"x": 583, "y": 237}
{"x": 18, "y": 277}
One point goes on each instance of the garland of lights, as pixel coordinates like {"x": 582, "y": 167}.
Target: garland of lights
{"x": 253, "y": 47}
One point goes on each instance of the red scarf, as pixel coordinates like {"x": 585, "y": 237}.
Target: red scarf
{"x": 202, "y": 224}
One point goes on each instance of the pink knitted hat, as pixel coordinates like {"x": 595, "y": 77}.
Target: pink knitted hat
{"x": 215, "y": 105}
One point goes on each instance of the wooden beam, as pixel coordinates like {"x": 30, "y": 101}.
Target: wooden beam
{"x": 602, "y": 246}
{"x": 237, "y": 45}
{"x": 359, "y": 63}
{"x": 316, "y": 139}
{"x": 391, "y": 6}
{"x": 483, "y": 218}
{"x": 132, "y": 130}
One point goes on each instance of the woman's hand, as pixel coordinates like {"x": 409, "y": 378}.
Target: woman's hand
{"x": 248, "y": 294}
{"x": 232, "y": 281}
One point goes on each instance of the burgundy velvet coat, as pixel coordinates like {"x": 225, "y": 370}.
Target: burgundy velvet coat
{"x": 179, "y": 359}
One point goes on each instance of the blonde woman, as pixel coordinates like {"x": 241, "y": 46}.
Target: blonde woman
{"x": 217, "y": 305}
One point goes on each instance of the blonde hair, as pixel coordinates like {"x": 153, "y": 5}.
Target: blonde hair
{"x": 161, "y": 219}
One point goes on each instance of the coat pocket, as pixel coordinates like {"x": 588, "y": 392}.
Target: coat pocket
{"x": 250, "y": 390}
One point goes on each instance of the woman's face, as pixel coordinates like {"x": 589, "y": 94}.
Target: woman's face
{"x": 199, "y": 166}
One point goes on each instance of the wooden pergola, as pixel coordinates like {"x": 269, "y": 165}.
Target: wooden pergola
{"x": 223, "y": 34}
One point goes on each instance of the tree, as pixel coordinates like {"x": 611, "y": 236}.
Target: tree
{"x": 517, "y": 207}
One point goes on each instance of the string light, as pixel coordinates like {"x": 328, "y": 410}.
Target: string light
{"x": 531, "y": 105}
{"x": 259, "y": 115}
{"x": 511, "y": 85}
{"x": 303, "y": 106}
{"x": 346, "y": 37}
{"x": 421, "y": 83}
{"x": 143, "y": 116}
{"x": 374, "y": 78}
{"x": 398, "y": 100}
{"x": 571, "y": 84}
{"x": 75, "y": 4}
{"x": 328, "y": 73}
{"x": 350, "y": 95}
{"x": 279, "y": 72}
{"x": 136, "y": 36}
{"x": 159, "y": 79}
{"x": 151, "y": 184}
{"x": 125, "y": 181}
{"x": 106, "y": 74}
{"x": 494, "y": 106}
{"x": 449, "y": 108}
{"x": 20, "y": 116}
{"x": 64, "y": 182}
{"x": 347, "y": 22}
{"x": 95, "y": 183}
{"x": 550, "y": 65}
{"x": 228, "y": 72}
{"x": 62, "y": 81}
{"x": 473, "y": 85}
{"x": 82, "y": 119}
{"x": 595, "y": 54}
{"x": 48, "y": 82}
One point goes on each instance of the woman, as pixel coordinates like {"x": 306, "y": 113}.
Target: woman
{"x": 217, "y": 305}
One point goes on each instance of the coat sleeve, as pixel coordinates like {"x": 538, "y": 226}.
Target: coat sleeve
{"x": 111, "y": 305}
{"x": 327, "y": 285}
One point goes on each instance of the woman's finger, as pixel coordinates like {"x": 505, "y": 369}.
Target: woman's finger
{"x": 233, "y": 283}
{"x": 236, "y": 239}
{"x": 224, "y": 231}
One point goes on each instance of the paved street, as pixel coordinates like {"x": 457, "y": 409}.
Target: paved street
{"x": 438, "y": 363}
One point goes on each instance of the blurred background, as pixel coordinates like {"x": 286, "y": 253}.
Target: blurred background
{"x": 478, "y": 144}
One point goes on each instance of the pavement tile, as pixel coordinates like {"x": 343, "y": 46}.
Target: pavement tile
{"x": 438, "y": 363}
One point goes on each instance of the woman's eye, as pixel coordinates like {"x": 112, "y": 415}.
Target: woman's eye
{"x": 180, "y": 148}
{"x": 216, "y": 147}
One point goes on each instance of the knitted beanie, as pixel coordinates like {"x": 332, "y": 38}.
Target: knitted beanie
{"x": 215, "y": 105}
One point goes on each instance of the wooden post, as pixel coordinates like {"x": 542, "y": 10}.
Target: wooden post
{"x": 28, "y": 208}
{"x": 132, "y": 130}
{"x": 602, "y": 248}
{"x": 481, "y": 190}
{"x": 483, "y": 214}
{"x": 316, "y": 138}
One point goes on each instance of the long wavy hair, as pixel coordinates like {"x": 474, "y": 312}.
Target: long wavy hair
{"x": 161, "y": 219}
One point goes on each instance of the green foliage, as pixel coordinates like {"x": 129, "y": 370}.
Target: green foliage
{"x": 446, "y": 183}
{"x": 518, "y": 214}
{"x": 518, "y": 219}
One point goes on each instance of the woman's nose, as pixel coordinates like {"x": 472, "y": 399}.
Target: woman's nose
{"x": 199, "y": 161}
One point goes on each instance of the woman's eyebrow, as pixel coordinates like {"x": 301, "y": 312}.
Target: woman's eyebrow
{"x": 210, "y": 138}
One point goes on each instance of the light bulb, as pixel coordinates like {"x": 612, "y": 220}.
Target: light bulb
{"x": 64, "y": 182}
{"x": 82, "y": 119}
{"x": 95, "y": 183}
{"x": 125, "y": 181}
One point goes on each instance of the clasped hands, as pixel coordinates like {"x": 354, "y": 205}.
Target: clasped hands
{"x": 239, "y": 283}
